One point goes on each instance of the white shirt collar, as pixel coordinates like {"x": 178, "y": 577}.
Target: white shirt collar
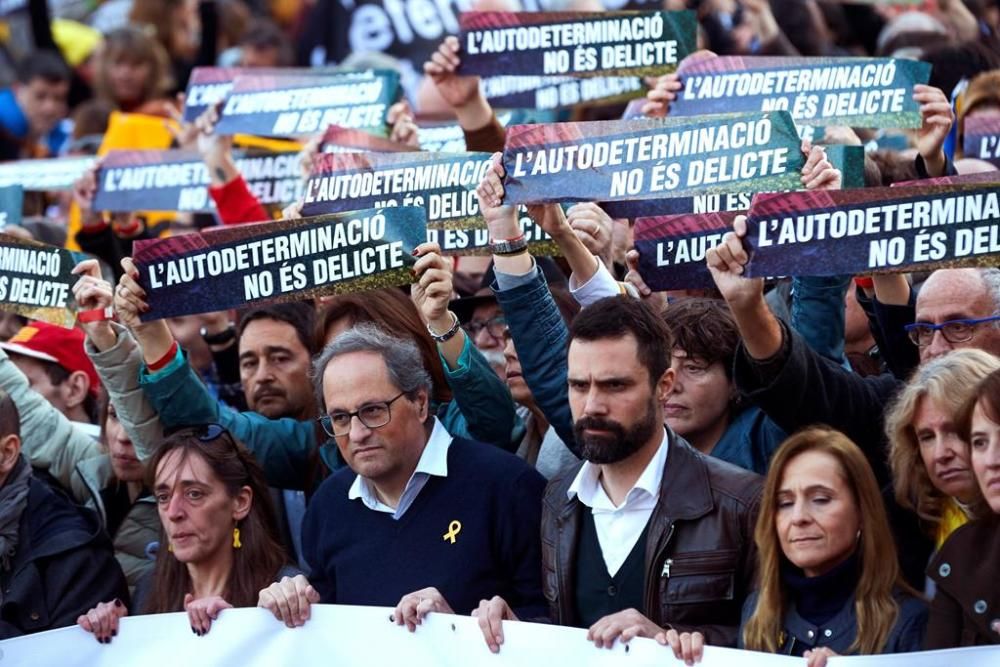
{"x": 433, "y": 461}
{"x": 587, "y": 484}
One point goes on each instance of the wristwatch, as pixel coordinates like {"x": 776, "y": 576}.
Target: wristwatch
{"x": 509, "y": 246}
{"x": 219, "y": 338}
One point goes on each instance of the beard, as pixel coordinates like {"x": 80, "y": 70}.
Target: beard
{"x": 618, "y": 443}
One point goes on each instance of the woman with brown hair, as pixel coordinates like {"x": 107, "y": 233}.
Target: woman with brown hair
{"x": 966, "y": 609}
{"x": 133, "y": 72}
{"x": 219, "y": 529}
{"x": 828, "y": 579}
{"x": 929, "y": 459}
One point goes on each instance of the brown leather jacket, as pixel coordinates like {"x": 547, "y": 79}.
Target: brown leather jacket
{"x": 965, "y": 610}
{"x": 700, "y": 553}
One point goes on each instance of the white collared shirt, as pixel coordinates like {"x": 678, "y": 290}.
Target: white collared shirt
{"x": 619, "y": 528}
{"x": 433, "y": 461}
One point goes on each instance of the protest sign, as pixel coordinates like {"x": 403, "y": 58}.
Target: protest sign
{"x": 438, "y": 137}
{"x": 848, "y": 159}
{"x": 349, "y": 635}
{"x": 211, "y": 85}
{"x": 36, "y": 280}
{"x": 443, "y": 183}
{"x": 672, "y": 248}
{"x": 176, "y": 180}
{"x": 558, "y": 92}
{"x": 858, "y": 92}
{"x": 649, "y": 158}
{"x": 284, "y": 260}
{"x": 874, "y": 230}
{"x": 980, "y": 177}
{"x": 44, "y": 175}
{"x": 575, "y": 43}
{"x": 982, "y": 138}
{"x": 282, "y": 106}
{"x": 338, "y": 139}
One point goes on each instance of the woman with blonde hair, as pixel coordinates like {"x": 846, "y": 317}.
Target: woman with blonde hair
{"x": 829, "y": 581}
{"x": 930, "y": 465}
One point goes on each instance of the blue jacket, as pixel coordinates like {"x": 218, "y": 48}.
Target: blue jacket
{"x": 799, "y": 635}
{"x": 540, "y": 337}
{"x": 15, "y": 123}
{"x": 482, "y": 409}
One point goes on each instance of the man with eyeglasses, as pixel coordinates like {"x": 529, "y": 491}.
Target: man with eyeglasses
{"x": 419, "y": 520}
{"x": 795, "y": 387}
{"x": 957, "y": 308}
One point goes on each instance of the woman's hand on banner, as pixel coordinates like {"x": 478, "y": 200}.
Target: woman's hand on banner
{"x": 687, "y": 646}
{"x": 491, "y": 614}
{"x": 202, "y": 612}
{"x": 817, "y": 656}
{"x": 289, "y": 600}
{"x": 658, "y": 300}
{"x": 215, "y": 149}
{"x": 102, "y": 620}
{"x": 413, "y": 607}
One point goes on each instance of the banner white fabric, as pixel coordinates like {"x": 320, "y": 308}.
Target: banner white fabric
{"x": 347, "y": 636}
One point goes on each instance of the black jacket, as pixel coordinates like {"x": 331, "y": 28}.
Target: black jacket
{"x": 64, "y": 565}
{"x": 700, "y": 554}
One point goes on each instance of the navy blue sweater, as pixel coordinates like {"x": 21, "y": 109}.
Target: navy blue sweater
{"x": 364, "y": 557}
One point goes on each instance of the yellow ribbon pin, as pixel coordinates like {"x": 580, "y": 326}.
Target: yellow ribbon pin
{"x": 454, "y": 528}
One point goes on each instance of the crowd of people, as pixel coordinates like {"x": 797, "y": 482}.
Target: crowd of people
{"x": 807, "y": 466}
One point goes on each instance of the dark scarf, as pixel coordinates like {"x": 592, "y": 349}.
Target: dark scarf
{"x": 818, "y": 599}
{"x": 13, "y": 500}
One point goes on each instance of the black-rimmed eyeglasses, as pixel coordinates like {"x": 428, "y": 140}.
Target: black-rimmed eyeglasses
{"x": 372, "y": 415}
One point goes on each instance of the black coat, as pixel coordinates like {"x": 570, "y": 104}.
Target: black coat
{"x": 64, "y": 565}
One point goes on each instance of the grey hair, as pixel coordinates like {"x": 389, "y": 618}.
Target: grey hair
{"x": 991, "y": 278}
{"x": 402, "y": 359}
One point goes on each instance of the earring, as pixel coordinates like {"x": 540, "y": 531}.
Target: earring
{"x": 857, "y": 537}
{"x": 236, "y": 539}
{"x": 170, "y": 547}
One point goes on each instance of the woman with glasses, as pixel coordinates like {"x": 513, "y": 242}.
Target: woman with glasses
{"x": 829, "y": 581}
{"x": 219, "y": 541}
{"x": 932, "y": 475}
{"x": 966, "y": 609}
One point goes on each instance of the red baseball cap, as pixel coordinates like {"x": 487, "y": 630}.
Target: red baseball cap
{"x": 48, "y": 342}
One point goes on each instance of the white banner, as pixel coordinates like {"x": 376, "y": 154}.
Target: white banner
{"x": 347, "y": 636}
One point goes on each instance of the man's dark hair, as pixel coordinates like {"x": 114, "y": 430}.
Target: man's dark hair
{"x": 616, "y": 317}
{"x": 704, "y": 328}
{"x": 264, "y": 34}
{"x": 298, "y": 314}
{"x": 10, "y": 418}
{"x": 45, "y": 65}
{"x": 57, "y": 375}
